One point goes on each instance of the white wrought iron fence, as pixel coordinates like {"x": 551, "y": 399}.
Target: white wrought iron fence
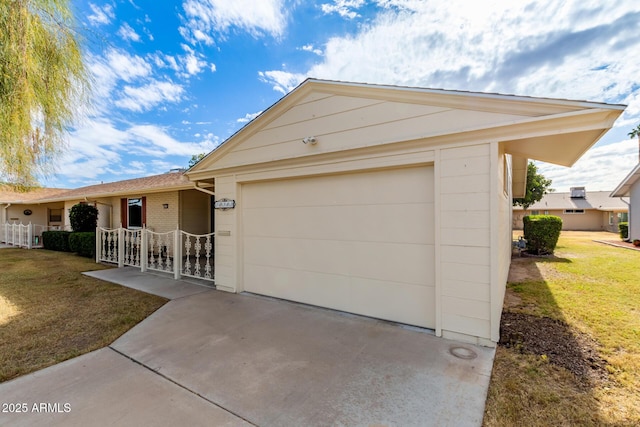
{"x": 22, "y": 235}
{"x": 177, "y": 252}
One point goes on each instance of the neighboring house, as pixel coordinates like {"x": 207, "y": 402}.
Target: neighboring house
{"x": 630, "y": 188}
{"x": 390, "y": 202}
{"x": 161, "y": 202}
{"x": 579, "y": 210}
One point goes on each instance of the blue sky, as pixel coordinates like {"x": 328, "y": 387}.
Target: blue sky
{"x": 176, "y": 78}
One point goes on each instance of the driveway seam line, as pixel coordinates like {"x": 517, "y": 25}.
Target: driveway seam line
{"x": 183, "y": 387}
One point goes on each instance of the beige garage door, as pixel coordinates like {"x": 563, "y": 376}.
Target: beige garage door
{"x": 361, "y": 242}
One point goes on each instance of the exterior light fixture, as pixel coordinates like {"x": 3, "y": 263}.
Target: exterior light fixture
{"x": 165, "y": 205}
{"x": 310, "y": 140}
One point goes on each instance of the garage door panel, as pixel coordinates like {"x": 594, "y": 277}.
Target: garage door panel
{"x": 372, "y": 223}
{"x": 357, "y": 259}
{"x": 394, "y": 301}
{"x": 361, "y": 242}
{"x": 364, "y": 188}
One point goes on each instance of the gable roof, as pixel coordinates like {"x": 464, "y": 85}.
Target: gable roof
{"x": 552, "y": 130}
{"x": 624, "y": 188}
{"x": 599, "y": 200}
{"x": 150, "y": 184}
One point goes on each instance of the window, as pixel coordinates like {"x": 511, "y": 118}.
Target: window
{"x": 133, "y": 212}
{"x": 55, "y": 215}
{"x": 623, "y": 217}
{"x": 535, "y": 212}
{"x": 574, "y": 211}
{"x": 610, "y": 218}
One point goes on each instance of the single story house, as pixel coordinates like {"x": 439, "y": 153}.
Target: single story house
{"x": 385, "y": 201}
{"x": 579, "y": 210}
{"x": 160, "y": 202}
{"x": 630, "y": 188}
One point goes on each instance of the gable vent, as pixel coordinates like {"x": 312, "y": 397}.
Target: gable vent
{"x": 578, "y": 193}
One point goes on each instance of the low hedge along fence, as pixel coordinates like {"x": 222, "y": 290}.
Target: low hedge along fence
{"x": 541, "y": 233}
{"x": 83, "y": 243}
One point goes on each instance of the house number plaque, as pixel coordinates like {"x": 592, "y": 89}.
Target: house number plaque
{"x": 224, "y": 204}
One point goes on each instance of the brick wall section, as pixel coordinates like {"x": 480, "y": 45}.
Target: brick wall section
{"x": 160, "y": 219}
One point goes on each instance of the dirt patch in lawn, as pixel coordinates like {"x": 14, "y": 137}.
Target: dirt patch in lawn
{"x": 555, "y": 340}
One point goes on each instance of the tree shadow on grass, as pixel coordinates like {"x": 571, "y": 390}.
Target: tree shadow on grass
{"x": 533, "y": 324}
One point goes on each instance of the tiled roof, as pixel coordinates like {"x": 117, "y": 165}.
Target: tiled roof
{"x": 599, "y": 200}
{"x": 9, "y": 196}
{"x": 162, "y": 182}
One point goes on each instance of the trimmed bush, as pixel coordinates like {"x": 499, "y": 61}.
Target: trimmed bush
{"x": 56, "y": 240}
{"x": 83, "y": 217}
{"x": 84, "y": 243}
{"x": 623, "y": 227}
{"x": 542, "y": 233}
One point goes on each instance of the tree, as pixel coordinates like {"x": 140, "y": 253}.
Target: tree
{"x": 537, "y": 187}
{"x": 635, "y": 132}
{"x": 195, "y": 159}
{"x": 43, "y": 85}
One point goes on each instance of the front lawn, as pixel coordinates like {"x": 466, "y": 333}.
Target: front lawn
{"x": 570, "y": 338}
{"x": 50, "y": 312}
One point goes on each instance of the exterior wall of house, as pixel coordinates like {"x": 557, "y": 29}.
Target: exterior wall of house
{"x": 160, "y": 219}
{"x": 39, "y": 216}
{"x": 195, "y": 216}
{"x": 590, "y": 220}
{"x": 463, "y": 206}
{"x": 634, "y": 211}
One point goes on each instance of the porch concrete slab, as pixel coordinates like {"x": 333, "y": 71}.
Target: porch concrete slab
{"x": 106, "y": 388}
{"x": 276, "y": 363}
{"x": 149, "y": 282}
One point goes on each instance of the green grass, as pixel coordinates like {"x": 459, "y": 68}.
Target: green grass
{"x": 50, "y": 312}
{"x": 595, "y": 288}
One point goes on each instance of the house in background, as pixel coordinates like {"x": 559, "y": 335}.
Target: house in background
{"x": 161, "y": 202}
{"x": 579, "y": 210}
{"x": 390, "y": 202}
{"x": 630, "y": 188}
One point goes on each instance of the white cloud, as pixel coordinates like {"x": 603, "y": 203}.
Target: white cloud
{"x": 127, "y": 67}
{"x": 204, "y": 17}
{"x": 154, "y": 140}
{"x": 312, "y": 49}
{"x": 143, "y": 98}
{"x": 248, "y": 117}
{"x": 128, "y": 33}
{"x": 282, "y": 81}
{"x": 344, "y": 8}
{"x": 101, "y": 15}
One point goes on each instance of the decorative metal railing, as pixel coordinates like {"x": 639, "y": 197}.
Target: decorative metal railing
{"x": 22, "y": 235}
{"x": 177, "y": 252}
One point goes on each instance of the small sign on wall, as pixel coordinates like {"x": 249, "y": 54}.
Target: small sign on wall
{"x": 224, "y": 204}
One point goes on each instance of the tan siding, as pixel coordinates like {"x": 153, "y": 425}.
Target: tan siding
{"x": 226, "y": 249}
{"x": 465, "y": 261}
{"x": 341, "y": 123}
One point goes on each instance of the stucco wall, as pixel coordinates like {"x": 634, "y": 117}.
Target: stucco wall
{"x": 195, "y": 217}
{"x": 39, "y": 216}
{"x": 591, "y": 220}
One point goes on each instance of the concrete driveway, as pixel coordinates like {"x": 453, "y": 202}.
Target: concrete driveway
{"x": 213, "y": 358}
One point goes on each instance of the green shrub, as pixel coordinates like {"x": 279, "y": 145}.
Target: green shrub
{"x": 56, "y": 240}
{"x": 542, "y": 233}
{"x": 84, "y": 243}
{"x": 83, "y": 217}
{"x": 623, "y": 227}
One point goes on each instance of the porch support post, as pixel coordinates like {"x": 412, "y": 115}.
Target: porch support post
{"x": 177, "y": 254}
{"x": 29, "y": 235}
{"x": 120, "y": 247}
{"x": 144, "y": 250}
{"x": 98, "y": 244}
